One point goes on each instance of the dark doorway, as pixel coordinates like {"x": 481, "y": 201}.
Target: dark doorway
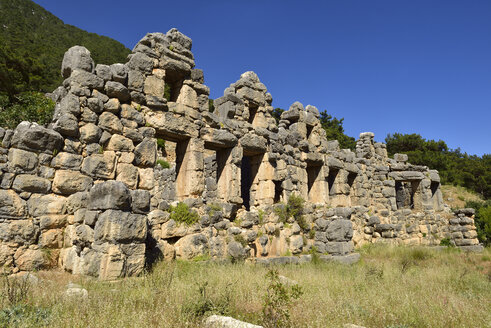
{"x": 278, "y": 191}
{"x": 331, "y": 179}
{"x": 404, "y": 194}
{"x": 246, "y": 181}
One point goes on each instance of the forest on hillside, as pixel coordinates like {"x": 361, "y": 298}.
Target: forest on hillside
{"x": 32, "y": 45}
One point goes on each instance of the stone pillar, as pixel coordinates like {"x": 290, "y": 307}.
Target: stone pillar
{"x": 189, "y": 168}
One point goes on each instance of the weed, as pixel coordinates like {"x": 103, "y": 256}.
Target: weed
{"x": 311, "y": 234}
{"x": 261, "y": 216}
{"x": 206, "y": 303}
{"x": 101, "y": 149}
{"x": 16, "y": 290}
{"x": 161, "y": 144}
{"x": 277, "y": 301}
{"x": 212, "y": 208}
{"x": 315, "y": 255}
{"x": 171, "y": 48}
{"x": 182, "y": 214}
{"x": 446, "y": 242}
{"x": 23, "y": 315}
{"x": 241, "y": 240}
{"x": 164, "y": 164}
{"x": 55, "y": 152}
{"x": 293, "y": 209}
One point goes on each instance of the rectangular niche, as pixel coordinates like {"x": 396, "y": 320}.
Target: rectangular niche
{"x": 278, "y": 192}
{"x": 309, "y": 130}
{"x": 252, "y": 167}
{"x": 219, "y": 169}
{"x": 407, "y": 194}
{"x": 172, "y": 87}
{"x": 315, "y": 190}
{"x": 331, "y": 180}
{"x": 252, "y": 114}
{"x": 351, "y": 184}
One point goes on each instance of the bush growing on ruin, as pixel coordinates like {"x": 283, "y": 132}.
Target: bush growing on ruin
{"x": 182, "y": 214}
{"x": 163, "y": 164}
{"x": 292, "y": 209}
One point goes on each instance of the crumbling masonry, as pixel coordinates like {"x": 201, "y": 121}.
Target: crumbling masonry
{"x": 90, "y": 192}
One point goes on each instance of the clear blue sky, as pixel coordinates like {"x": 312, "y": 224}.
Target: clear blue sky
{"x": 415, "y": 66}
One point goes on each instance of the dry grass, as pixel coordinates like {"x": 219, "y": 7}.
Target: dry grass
{"x": 457, "y": 196}
{"x": 390, "y": 287}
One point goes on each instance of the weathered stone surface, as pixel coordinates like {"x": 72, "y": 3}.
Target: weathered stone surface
{"x": 110, "y": 123}
{"x": 191, "y": 245}
{"x": 128, "y": 174}
{"x": 90, "y": 133}
{"x": 65, "y": 160}
{"x": 117, "y": 90}
{"x": 120, "y": 143}
{"x": 32, "y": 137}
{"x": 109, "y": 195}
{"x": 21, "y": 161}
{"x": 19, "y": 231}
{"x": 76, "y": 57}
{"x": 31, "y": 183}
{"x": 120, "y": 227}
{"x": 40, "y": 205}
{"x": 29, "y": 260}
{"x": 100, "y": 165}
{"x": 146, "y": 153}
{"x": 69, "y": 182}
{"x": 11, "y": 205}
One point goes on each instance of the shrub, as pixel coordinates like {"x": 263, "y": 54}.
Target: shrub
{"x": 482, "y": 220}
{"x": 241, "y": 240}
{"x": 446, "y": 242}
{"x": 182, "y": 214}
{"x": 277, "y": 300}
{"x": 16, "y": 290}
{"x": 27, "y": 106}
{"x": 293, "y": 209}
{"x": 164, "y": 164}
{"x": 161, "y": 144}
{"x": 208, "y": 303}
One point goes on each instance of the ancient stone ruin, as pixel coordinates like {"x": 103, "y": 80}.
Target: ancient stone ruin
{"x": 93, "y": 192}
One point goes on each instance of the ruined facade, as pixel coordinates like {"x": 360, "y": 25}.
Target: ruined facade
{"x": 93, "y": 191}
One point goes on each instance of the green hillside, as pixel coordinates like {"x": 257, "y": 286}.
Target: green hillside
{"x": 32, "y": 44}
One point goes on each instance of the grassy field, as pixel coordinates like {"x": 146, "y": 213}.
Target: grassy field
{"x": 389, "y": 287}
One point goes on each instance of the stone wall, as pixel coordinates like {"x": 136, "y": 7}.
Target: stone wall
{"x": 92, "y": 191}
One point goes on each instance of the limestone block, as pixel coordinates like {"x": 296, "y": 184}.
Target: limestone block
{"x": 129, "y": 113}
{"x": 77, "y": 57}
{"x": 109, "y": 195}
{"x": 52, "y": 238}
{"x": 19, "y": 231}
{"x": 21, "y": 161}
{"x": 29, "y": 259}
{"x": 33, "y": 137}
{"x": 11, "y": 205}
{"x": 69, "y": 182}
{"x": 120, "y": 143}
{"x": 154, "y": 86}
{"x": 117, "y": 90}
{"x": 339, "y": 248}
{"x": 90, "y": 133}
{"x": 65, "y": 160}
{"x": 100, "y": 165}
{"x": 52, "y": 221}
{"x": 110, "y": 123}
{"x": 146, "y": 153}
{"x": 111, "y": 263}
{"x": 168, "y": 123}
{"x": 146, "y": 179}
{"x": 135, "y": 258}
{"x": 135, "y": 80}
{"x": 128, "y": 174}
{"x": 140, "y": 201}
{"x": 40, "y": 205}
{"x": 188, "y": 97}
{"x": 171, "y": 229}
{"x": 120, "y": 227}
{"x": 31, "y": 183}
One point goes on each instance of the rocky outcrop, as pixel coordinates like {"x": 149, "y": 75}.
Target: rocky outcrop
{"x": 94, "y": 189}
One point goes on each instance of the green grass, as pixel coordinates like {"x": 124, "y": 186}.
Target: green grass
{"x": 389, "y": 287}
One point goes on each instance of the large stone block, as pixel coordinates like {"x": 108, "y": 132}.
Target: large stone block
{"x": 11, "y": 205}
{"x": 40, "y": 205}
{"x": 109, "y": 195}
{"x": 120, "y": 143}
{"x": 65, "y": 160}
{"x": 21, "y": 161}
{"x": 33, "y": 137}
{"x": 31, "y": 183}
{"x": 146, "y": 153}
{"x": 339, "y": 230}
{"x": 191, "y": 245}
{"x": 24, "y": 232}
{"x": 69, "y": 182}
{"x": 128, "y": 174}
{"x": 120, "y": 227}
{"x": 100, "y": 165}
{"x": 77, "y": 57}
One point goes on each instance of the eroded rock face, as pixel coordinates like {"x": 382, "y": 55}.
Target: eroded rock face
{"x": 129, "y": 141}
